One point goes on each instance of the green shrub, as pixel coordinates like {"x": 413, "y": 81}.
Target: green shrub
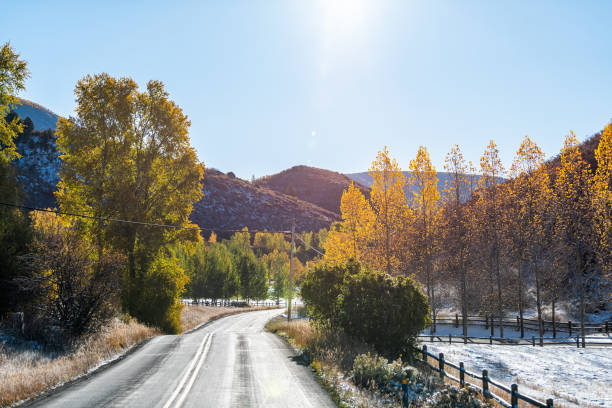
{"x": 157, "y": 295}
{"x": 321, "y": 287}
{"x": 382, "y": 311}
{"x": 374, "y": 370}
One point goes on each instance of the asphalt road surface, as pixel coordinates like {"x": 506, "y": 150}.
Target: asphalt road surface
{"x": 231, "y": 362}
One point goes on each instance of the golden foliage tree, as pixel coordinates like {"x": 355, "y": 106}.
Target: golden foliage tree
{"x": 531, "y": 194}
{"x": 425, "y": 206}
{"x": 127, "y": 155}
{"x": 490, "y": 225}
{"x": 455, "y": 228}
{"x": 357, "y": 219}
{"x": 602, "y": 196}
{"x": 574, "y": 228}
{"x": 389, "y": 205}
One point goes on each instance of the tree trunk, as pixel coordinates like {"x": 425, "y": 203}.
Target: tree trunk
{"x": 520, "y": 298}
{"x": 539, "y": 303}
{"x": 464, "y": 303}
{"x": 553, "y": 320}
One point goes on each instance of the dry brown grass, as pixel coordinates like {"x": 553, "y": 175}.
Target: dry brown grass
{"x": 26, "y": 373}
{"x": 195, "y": 315}
{"x": 300, "y": 331}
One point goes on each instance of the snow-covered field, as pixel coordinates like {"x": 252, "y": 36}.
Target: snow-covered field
{"x": 571, "y": 376}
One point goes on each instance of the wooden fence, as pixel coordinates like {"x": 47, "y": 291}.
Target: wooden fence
{"x": 518, "y": 324}
{"x": 233, "y": 303}
{"x": 505, "y": 341}
{"x": 505, "y": 396}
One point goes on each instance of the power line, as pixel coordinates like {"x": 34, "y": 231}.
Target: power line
{"x": 311, "y": 247}
{"x": 150, "y": 224}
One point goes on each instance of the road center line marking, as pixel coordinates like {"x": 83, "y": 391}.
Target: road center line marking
{"x": 191, "y": 365}
{"x": 195, "y": 372}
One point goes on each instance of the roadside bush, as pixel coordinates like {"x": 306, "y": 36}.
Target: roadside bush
{"x": 382, "y": 311}
{"x": 374, "y": 370}
{"x": 321, "y": 287}
{"x": 157, "y": 293}
{"x": 69, "y": 285}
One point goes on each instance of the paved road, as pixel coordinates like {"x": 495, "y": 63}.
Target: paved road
{"x": 229, "y": 363}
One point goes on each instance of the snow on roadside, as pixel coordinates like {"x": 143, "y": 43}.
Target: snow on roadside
{"x": 570, "y": 375}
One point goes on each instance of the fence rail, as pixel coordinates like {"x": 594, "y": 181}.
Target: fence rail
{"x": 519, "y": 324}
{"x": 533, "y": 341}
{"x": 481, "y": 383}
{"x": 233, "y": 303}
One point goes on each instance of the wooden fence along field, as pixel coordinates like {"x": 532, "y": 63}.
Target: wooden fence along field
{"x": 567, "y": 329}
{"x": 507, "y": 397}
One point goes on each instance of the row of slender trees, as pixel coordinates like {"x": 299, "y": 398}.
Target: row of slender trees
{"x": 254, "y": 268}
{"x": 490, "y": 244}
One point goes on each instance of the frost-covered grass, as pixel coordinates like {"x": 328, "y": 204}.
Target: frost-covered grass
{"x": 333, "y": 356}
{"x": 26, "y": 370}
{"x": 571, "y": 376}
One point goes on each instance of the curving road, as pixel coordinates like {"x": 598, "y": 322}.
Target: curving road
{"x": 231, "y": 362}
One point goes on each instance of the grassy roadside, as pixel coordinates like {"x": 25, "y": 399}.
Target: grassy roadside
{"x": 26, "y": 371}
{"x": 356, "y": 377}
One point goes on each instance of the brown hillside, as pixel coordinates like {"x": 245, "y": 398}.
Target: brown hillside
{"x": 317, "y": 186}
{"x": 232, "y": 203}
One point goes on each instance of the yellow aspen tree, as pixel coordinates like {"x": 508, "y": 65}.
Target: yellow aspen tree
{"x": 489, "y": 199}
{"x": 357, "y": 219}
{"x": 532, "y": 195}
{"x": 456, "y": 226}
{"x": 425, "y": 205}
{"x": 574, "y": 230}
{"x": 337, "y": 246}
{"x": 602, "y": 196}
{"x": 213, "y": 238}
{"x": 389, "y": 204}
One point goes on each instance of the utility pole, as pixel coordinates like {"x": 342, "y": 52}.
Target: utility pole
{"x": 290, "y": 297}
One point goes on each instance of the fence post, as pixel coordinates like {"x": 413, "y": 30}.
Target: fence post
{"x": 577, "y": 341}
{"x": 492, "y": 326}
{"x": 522, "y": 328}
{"x": 549, "y": 403}
{"x": 486, "y": 322}
{"x": 461, "y": 374}
{"x": 485, "y": 383}
{"x": 450, "y": 339}
{"x": 424, "y": 353}
{"x": 533, "y": 341}
{"x": 491, "y": 340}
{"x": 441, "y": 364}
{"x": 569, "y": 324}
{"x": 518, "y": 324}
{"x": 607, "y": 327}
{"x": 456, "y": 320}
{"x": 514, "y": 396}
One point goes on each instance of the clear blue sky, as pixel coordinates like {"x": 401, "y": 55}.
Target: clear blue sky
{"x": 272, "y": 84}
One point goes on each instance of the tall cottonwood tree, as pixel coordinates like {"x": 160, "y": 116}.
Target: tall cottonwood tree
{"x": 574, "y": 229}
{"x": 489, "y": 204}
{"x": 455, "y": 228}
{"x": 602, "y": 197}
{"x": 532, "y": 195}
{"x": 15, "y": 230}
{"x": 357, "y": 219}
{"x": 425, "y": 206}
{"x": 127, "y": 155}
{"x": 389, "y": 205}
